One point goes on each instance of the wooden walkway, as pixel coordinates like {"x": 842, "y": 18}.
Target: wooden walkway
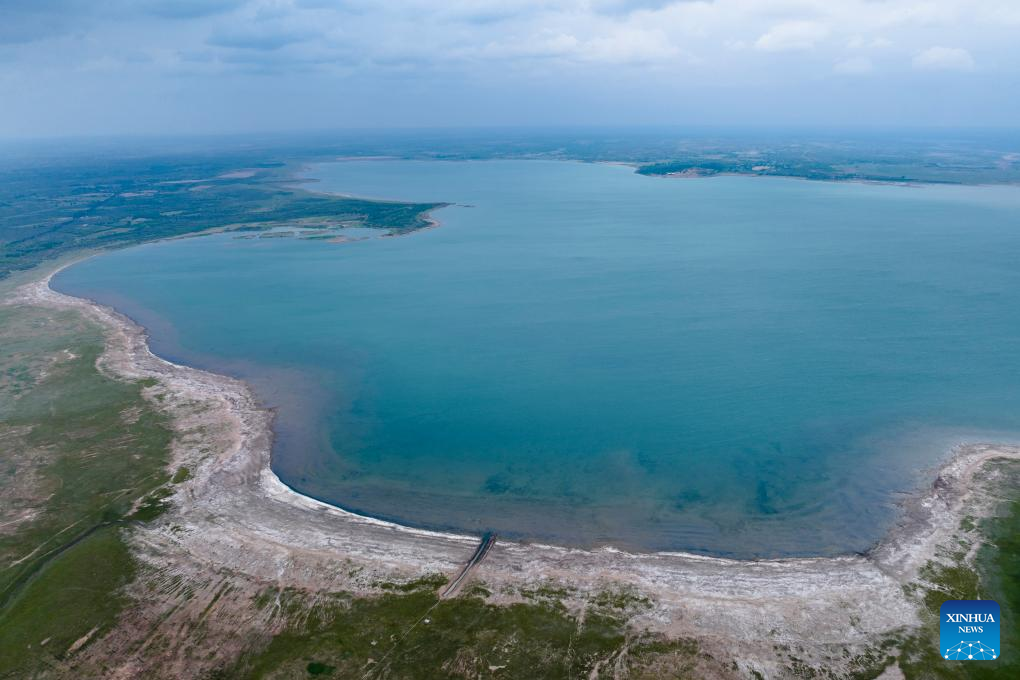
{"x": 488, "y": 540}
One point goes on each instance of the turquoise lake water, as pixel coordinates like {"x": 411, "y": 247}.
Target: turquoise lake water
{"x": 579, "y": 354}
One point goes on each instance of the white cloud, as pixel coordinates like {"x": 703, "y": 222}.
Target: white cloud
{"x": 944, "y": 59}
{"x": 630, "y": 45}
{"x": 620, "y": 46}
{"x": 859, "y": 42}
{"x": 684, "y": 57}
{"x": 854, "y": 66}
{"x": 792, "y": 35}
{"x": 542, "y": 46}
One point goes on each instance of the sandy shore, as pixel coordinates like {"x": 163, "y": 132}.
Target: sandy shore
{"x": 236, "y": 516}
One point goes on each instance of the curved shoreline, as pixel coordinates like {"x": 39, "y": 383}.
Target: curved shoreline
{"x": 40, "y": 292}
{"x": 236, "y": 514}
{"x": 277, "y": 488}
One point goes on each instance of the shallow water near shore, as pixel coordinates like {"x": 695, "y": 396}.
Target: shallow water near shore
{"x": 735, "y": 366}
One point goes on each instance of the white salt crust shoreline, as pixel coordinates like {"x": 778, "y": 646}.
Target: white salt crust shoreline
{"x": 235, "y": 514}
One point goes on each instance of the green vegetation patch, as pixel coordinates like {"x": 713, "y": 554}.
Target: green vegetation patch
{"x": 153, "y": 505}
{"x": 413, "y": 634}
{"x": 995, "y": 575}
{"x": 71, "y": 601}
{"x": 81, "y": 450}
{"x": 427, "y": 583}
{"x": 316, "y": 668}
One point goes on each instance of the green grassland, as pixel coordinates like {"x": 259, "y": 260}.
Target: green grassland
{"x": 79, "y": 449}
{"x": 409, "y": 633}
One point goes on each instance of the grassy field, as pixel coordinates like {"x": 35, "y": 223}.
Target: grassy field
{"x": 409, "y": 633}
{"x": 79, "y": 450}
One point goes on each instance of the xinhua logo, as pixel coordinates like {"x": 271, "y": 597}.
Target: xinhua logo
{"x": 969, "y": 630}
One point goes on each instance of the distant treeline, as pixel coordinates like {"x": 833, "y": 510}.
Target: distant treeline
{"x": 806, "y": 170}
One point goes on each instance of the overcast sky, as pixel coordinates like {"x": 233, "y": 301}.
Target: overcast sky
{"x": 70, "y": 67}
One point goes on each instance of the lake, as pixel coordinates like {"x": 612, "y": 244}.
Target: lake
{"x": 582, "y": 355}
